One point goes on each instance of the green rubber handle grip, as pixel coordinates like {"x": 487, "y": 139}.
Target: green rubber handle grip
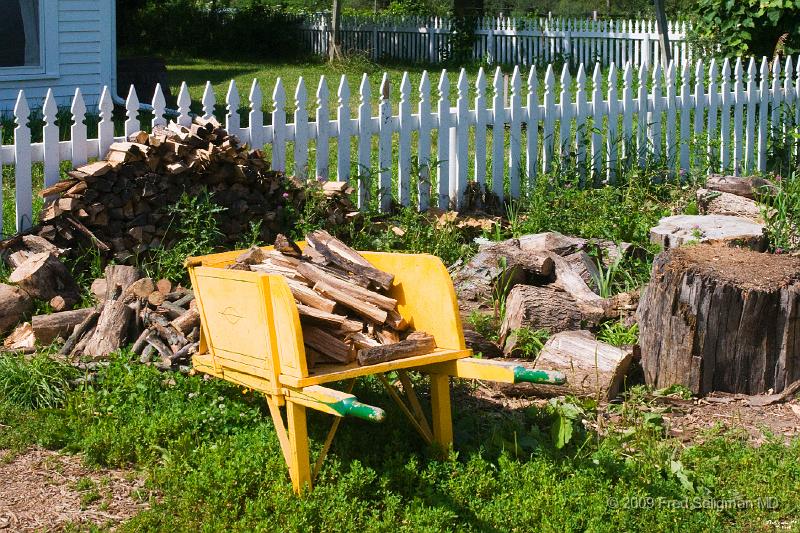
{"x": 545, "y": 377}
{"x": 356, "y": 409}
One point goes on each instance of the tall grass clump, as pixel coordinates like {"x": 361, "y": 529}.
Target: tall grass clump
{"x": 781, "y": 211}
{"x": 36, "y": 383}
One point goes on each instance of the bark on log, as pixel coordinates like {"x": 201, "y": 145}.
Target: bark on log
{"x": 14, "y": 303}
{"x": 747, "y": 187}
{"x": 187, "y": 321}
{"x": 545, "y": 308}
{"x": 43, "y": 276}
{"x": 120, "y": 277}
{"x": 593, "y": 368}
{"x": 721, "y": 319}
{"x": 418, "y": 343}
{"x": 111, "y": 330}
{"x": 47, "y": 328}
{"x": 80, "y": 330}
{"x": 481, "y": 345}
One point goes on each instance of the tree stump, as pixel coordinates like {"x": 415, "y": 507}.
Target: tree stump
{"x": 715, "y": 318}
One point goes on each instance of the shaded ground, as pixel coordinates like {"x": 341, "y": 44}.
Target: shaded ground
{"x": 689, "y": 421}
{"x": 43, "y": 490}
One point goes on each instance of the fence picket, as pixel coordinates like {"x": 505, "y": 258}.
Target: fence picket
{"x": 50, "y": 140}
{"x": 458, "y": 186}
{"x": 22, "y": 164}
{"x": 685, "y": 117}
{"x": 565, "y": 120}
{"x": 549, "y": 119}
{"x": 426, "y": 123}
{"x": 279, "y": 133}
{"x": 159, "y": 104}
{"x": 323, "y": 130}
{"x": 385, "y": 146}
{"x": 627, "y": 115}
{"x": 749, "y": 150}
{"x": 515, "y": 134}
{"x": 301, "y": 127}
{"x": 700, "y": 102}
{"x": 498, "y": 133}
{"x": 532, "y": 127}
{"x": 78, "y": 130}
{"x": 612, "y": 131}
{"x": 257, "y": 133}
{"x": 404, "y": 149}
{"x": 480, "y": 128}
{"x": 443, "y": 142}
{"x": 725, "y": 118}
{"x": 232, "y": 118}
{"x": 763, "y": 112}
{"x": 642, "y": 107}
{"x": 713, "y": 103}
{"x": 598, "y": 111}
{"x": 364, "y": 138}
{"x": 738, "y": 114}
{"x": 344, "y": 131}
{"x": 776, "y": 100}
{"x": 184, "y": 102}
{"x": 208, "y": 101}
{"x": 105, "y": 129}
{"x": 132, "y": 113}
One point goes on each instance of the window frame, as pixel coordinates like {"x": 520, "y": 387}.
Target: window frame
{"x": 48, "y": 48}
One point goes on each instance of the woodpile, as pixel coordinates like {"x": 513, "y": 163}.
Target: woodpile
{"x": 160, "y": 320}
{"x": 342, "y": 300}
{"x": 121, "y": 204}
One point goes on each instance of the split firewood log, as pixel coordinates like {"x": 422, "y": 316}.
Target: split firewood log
{"x": 14, "y": 304}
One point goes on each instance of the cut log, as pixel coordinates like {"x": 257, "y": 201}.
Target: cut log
{"x": 307, "y": 296}
{"x": 187, "y": 321}
{"x": 715, "y": 318}
{"x": 252, "y": 256}
{"x": 481, "y": 345}
{"x": 371, "y": 297}
{"x": 315, "y": 316}
{"x": 119, "y": 278}
{"x": 80, "y": 331}
{"x": 316, "y": 273}
{"x": 156, "y": 298}
{"x": 164, "y": 286}
{"x": 722, "y": 203}
{"x": 21, "y": 338}
{"x": 14, "y": 304}
{"x": 593, "y": 368}
{"x": 678, "y": 230}
{"x": 98, "y": 289}
{"x": 327, "y": 344}
{"x": 348, "y": 259}
{"x": 747, "y": 187}
{"x": 287, "y": 247}
{"x": 545, "y": 308}
{"x": 139, "y": 289}
{"x": 418, "y": 343}
{"x": 112, "y": 328}
{"x": 361, "y": 307}
{"x": 47, "y": 328}
{"x": 43, "y": 276}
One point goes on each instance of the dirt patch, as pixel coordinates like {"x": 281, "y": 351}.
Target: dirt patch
{"x": 690, "y": 421}
{"x": 43, "y": 490}
{"x": 739, "y": 266}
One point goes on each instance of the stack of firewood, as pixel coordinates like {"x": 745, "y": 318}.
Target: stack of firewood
{"x": 342, "y": 301}
{"x": 121, "y": 204}
{"x": 160, "y": 320}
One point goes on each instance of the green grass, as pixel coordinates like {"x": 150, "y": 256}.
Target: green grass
{"x": 213, "y": 455}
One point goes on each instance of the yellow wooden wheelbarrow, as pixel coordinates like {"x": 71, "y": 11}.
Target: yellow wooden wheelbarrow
{"x": 251, "y": 336}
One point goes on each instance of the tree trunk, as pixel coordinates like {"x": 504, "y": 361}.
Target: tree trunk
{"x": 335, "y": 47}
{"x": 111, "y": 331}
{"x": 43, "y": 276}
{"x": 715, "y": 318}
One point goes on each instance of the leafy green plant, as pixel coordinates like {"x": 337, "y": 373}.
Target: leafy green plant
{"x": 744, "y": 28}
{"x": 781, "y": 211}
{"x": 618, "y": 334}
{"x": 35, "y": 383}
{"x": 193, "y": 230}
{"x": 568, "y": 415}
{"x": 486, "y": 325}
{"x": 529, "y": 342}
{"x": 612, "y": 277}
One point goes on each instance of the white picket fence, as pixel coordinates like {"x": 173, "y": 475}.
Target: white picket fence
{"x": 717, "y": 120}
{"x": 503, "y": 40}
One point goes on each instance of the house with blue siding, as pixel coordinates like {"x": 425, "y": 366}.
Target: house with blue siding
{"x": 58, "y": 44}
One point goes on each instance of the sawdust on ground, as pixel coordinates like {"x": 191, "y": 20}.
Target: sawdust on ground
{"x": 42, "y": 490}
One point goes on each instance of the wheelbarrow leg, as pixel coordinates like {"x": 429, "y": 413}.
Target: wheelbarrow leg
{"x": 442, "y": 416}
{"x": 300, "y": 466}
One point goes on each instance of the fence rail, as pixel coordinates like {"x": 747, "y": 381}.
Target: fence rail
{"x": 425, "y": 150}
{"x": 506, "y": 40}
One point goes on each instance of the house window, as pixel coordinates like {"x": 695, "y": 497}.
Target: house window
{"x": 19, "y": 33}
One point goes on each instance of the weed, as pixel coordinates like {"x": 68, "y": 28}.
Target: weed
{"x": 781, "y": 211}
{"x": 612, "y": 278}
{"x": 40, "y": 382}
{"x": 193, "y": 230}
{"x": 86, "y": 265}
{"x": 618, "y": 334}
{"x": 529, "y": 342}
{"x": 487, "y": 325}
{"x": 84, "y": 483}
{"x": 252, "y": 237}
